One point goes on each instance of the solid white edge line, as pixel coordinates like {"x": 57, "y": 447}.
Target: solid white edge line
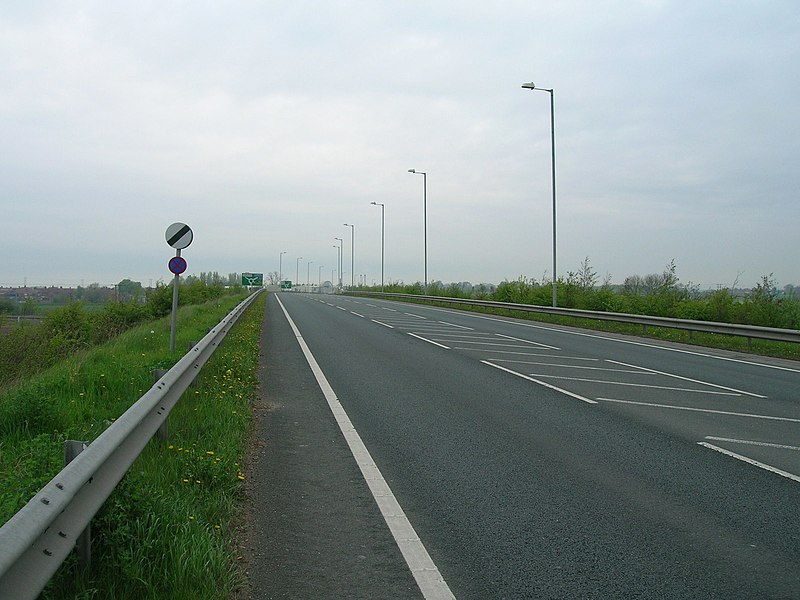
{"x": 542, "y": 383}
{"x": 750, "y": 461}
{"x": 419, "y": 337}
{"x": 425, "y": 572}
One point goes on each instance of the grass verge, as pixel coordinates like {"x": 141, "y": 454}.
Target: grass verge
{"x": 167, "y": 530}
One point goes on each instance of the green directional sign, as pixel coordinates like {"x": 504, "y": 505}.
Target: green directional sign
{"x": 249, "y": 279}
{"x": 286, "y": 285}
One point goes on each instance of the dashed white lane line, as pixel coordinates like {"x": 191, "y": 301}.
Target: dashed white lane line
{"x": 750, "y": 461}
{"x": 356, "y": 314}
{"x": 542, "y": 383}
{"x": 722, "y": 387}
{"x": 417, "y": 316}
{"x": 381, "y": 323}
{"x": 425, "y": 572}
{"x": 704, "y": 410}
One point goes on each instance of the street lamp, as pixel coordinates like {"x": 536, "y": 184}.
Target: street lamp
{"x": 297, "y": 274}
{"x": 531, "y": 86}
{"x": 319, "y": 276}
{"x": 383, "y": 211}
{"x": 424, "y": 218}
{"x": 308, "y": 272}
{"x": 280, "y": 267}
{"x": 352, "y": 250}
{"x": 339, "y": 263}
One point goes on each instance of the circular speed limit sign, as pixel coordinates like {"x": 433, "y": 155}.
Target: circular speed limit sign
{"x": 179, "y": 235}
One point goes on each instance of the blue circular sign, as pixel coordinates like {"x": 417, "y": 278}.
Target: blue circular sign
{"x": 177, "y": 265}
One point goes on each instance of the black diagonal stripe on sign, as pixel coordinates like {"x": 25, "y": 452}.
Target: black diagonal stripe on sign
{"x": 181, "y": 232}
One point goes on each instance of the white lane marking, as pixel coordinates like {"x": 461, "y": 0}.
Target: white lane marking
{"x": 516, "y": 339}
{"x": 621, "y": 341}
{"x": 536, "y": 354}
{"x": 750, "y": 461}
{"x": 604, "y": 369}
{"x": 371, "y": 305}
{"x": 542, "y": 383}
{"x": 342, "y": 308}
{"x": 753, "y": 443}
{"x": 389, "y": 309}
{"x": 454, "y": 325}
{"x": 640, "y": 385}
{"x": 419, "y": 337}
{"x": 704, "y": 410}
{"x": 425, "y": 572}
{"x": 721, "y": 387}
{"x": 356, "y": 314}
{"x": 501, "y": 351}
{"x": 500, "y": 345}
{"x": 384, "y": 324}
{"x": 417, "y": 316}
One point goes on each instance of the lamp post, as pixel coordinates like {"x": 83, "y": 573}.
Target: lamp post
{"x": 319, "y": 276}
{"x": 339, "y": 260}
{"x": 352, "y": 250}
{"x": 424, "y": 218}
{"x": 531, "y": 86}
{"x": 280, "y": 267}
{"x": 308, "y": 272}
{"x": 297, "y": 274}
{"x": 383, "y": 211}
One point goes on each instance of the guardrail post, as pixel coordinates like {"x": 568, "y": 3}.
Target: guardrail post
{"x": 84, "y": 542}
{"x": 194, "y": 383}
{"x": 163, "y": 429}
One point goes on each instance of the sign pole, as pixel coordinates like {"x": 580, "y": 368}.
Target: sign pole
{"x": 179, "y": 236}
{"x": 175, "y": 285}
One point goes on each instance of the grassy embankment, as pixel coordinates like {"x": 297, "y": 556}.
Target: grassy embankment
{"x": 167, "y": 530}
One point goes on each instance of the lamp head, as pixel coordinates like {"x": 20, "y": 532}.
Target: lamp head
{"x": 529, "y": 86}
{"x": 412, "y": 170}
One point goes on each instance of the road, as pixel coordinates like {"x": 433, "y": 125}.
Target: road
{"x": 535, "y": 461}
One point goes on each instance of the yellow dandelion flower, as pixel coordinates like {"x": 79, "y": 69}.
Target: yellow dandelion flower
{"x": 210, "y": 453}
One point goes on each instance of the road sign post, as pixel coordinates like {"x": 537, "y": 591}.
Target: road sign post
{"x": 179, "y": 236}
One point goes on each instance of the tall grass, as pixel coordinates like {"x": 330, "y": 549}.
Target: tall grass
{"x": 166, "y": 531}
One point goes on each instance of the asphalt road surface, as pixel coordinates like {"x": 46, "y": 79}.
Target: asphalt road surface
{"x": 532, "y": 461}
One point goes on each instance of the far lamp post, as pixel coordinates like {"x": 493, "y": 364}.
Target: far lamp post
{"x": 383, "y": 220}
{"x": 352, "y": 251}
{"x": 280, "y": 267}
{"x": 297, "y": 274}
{"x": 339, "y": 263}
{"x": 531, "y": 86}
{"x": 424, "y": 218}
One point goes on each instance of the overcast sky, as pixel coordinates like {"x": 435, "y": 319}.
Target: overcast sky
{"x": 265, "y": 126}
